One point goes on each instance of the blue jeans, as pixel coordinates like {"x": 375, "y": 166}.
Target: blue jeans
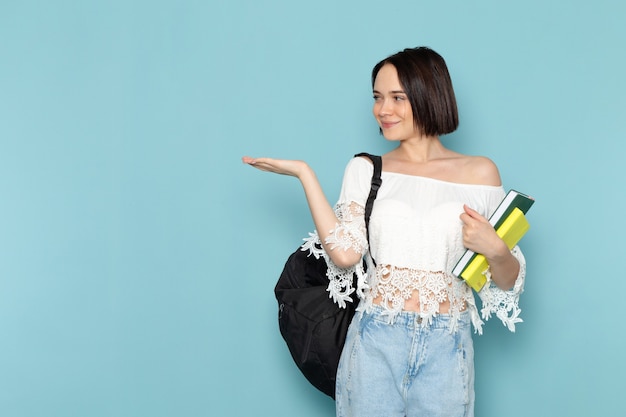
{"x": 407, "y": 368}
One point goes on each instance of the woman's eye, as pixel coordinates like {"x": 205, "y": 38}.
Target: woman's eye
{"x": 376, "y": 98}
{"x": 399, "y": 98}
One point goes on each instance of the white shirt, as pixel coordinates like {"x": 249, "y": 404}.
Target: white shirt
{"x": 415, "y": 240}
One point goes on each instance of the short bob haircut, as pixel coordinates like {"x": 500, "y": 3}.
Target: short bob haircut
{"x": 425, "y": 79}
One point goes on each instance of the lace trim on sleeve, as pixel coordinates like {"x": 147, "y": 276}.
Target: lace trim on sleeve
{"x": 349, "y": 233}
{"x": 504, "y": 304}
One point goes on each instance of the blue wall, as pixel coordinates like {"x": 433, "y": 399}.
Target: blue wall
{"x": 138, "y": 255}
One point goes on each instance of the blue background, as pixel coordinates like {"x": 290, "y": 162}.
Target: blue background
{"x": 138, "y": 254}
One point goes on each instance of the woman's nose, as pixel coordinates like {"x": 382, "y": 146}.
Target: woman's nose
{"x": 384, "y": 108}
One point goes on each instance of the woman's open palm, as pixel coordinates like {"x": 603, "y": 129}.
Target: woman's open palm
{"x": 290, "y": 167}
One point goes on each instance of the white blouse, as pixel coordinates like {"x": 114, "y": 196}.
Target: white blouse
{"x": 415, "y": 241}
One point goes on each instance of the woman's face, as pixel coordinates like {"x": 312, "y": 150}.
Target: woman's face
{"x": 392, "y": 109}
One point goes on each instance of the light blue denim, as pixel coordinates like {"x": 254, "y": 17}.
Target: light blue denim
{"x": 407, "y": 368}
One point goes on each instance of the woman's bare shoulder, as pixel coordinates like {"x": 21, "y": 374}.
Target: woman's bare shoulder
{"x": 480, "y": 170}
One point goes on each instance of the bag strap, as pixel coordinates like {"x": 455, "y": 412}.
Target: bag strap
{"x": 375, "y": 185}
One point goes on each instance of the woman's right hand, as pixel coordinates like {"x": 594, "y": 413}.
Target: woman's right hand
{"x": 323, "y": 214}
{"x": 290, "y": 167}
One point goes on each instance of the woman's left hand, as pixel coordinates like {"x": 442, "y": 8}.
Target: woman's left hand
{"x": 480, "y": 236}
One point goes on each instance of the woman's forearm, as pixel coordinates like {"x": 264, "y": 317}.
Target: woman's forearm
{"x": 325, "y": 219}
{"x": 504, "y": 268}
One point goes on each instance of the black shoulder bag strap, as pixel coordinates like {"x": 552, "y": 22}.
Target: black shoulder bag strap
{"x": 376, "y": 182}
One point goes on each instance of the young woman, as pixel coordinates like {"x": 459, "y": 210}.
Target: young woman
{"x": 409, "y": 348}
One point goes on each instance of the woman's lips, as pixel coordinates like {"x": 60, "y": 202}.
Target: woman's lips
{"x": 387, "y": 125}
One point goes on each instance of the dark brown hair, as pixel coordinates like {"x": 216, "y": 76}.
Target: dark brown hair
{"x": 425, "y": 79}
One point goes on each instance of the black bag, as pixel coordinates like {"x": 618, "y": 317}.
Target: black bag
{"x": 313, "y": 326}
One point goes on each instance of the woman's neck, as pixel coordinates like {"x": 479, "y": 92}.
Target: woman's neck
{"x": 420, "y": 150}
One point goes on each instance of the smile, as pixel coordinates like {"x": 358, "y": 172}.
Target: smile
{"x": 387, "y": 125}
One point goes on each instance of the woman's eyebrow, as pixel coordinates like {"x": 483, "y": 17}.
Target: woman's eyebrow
{"x": 391, "y": 92}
